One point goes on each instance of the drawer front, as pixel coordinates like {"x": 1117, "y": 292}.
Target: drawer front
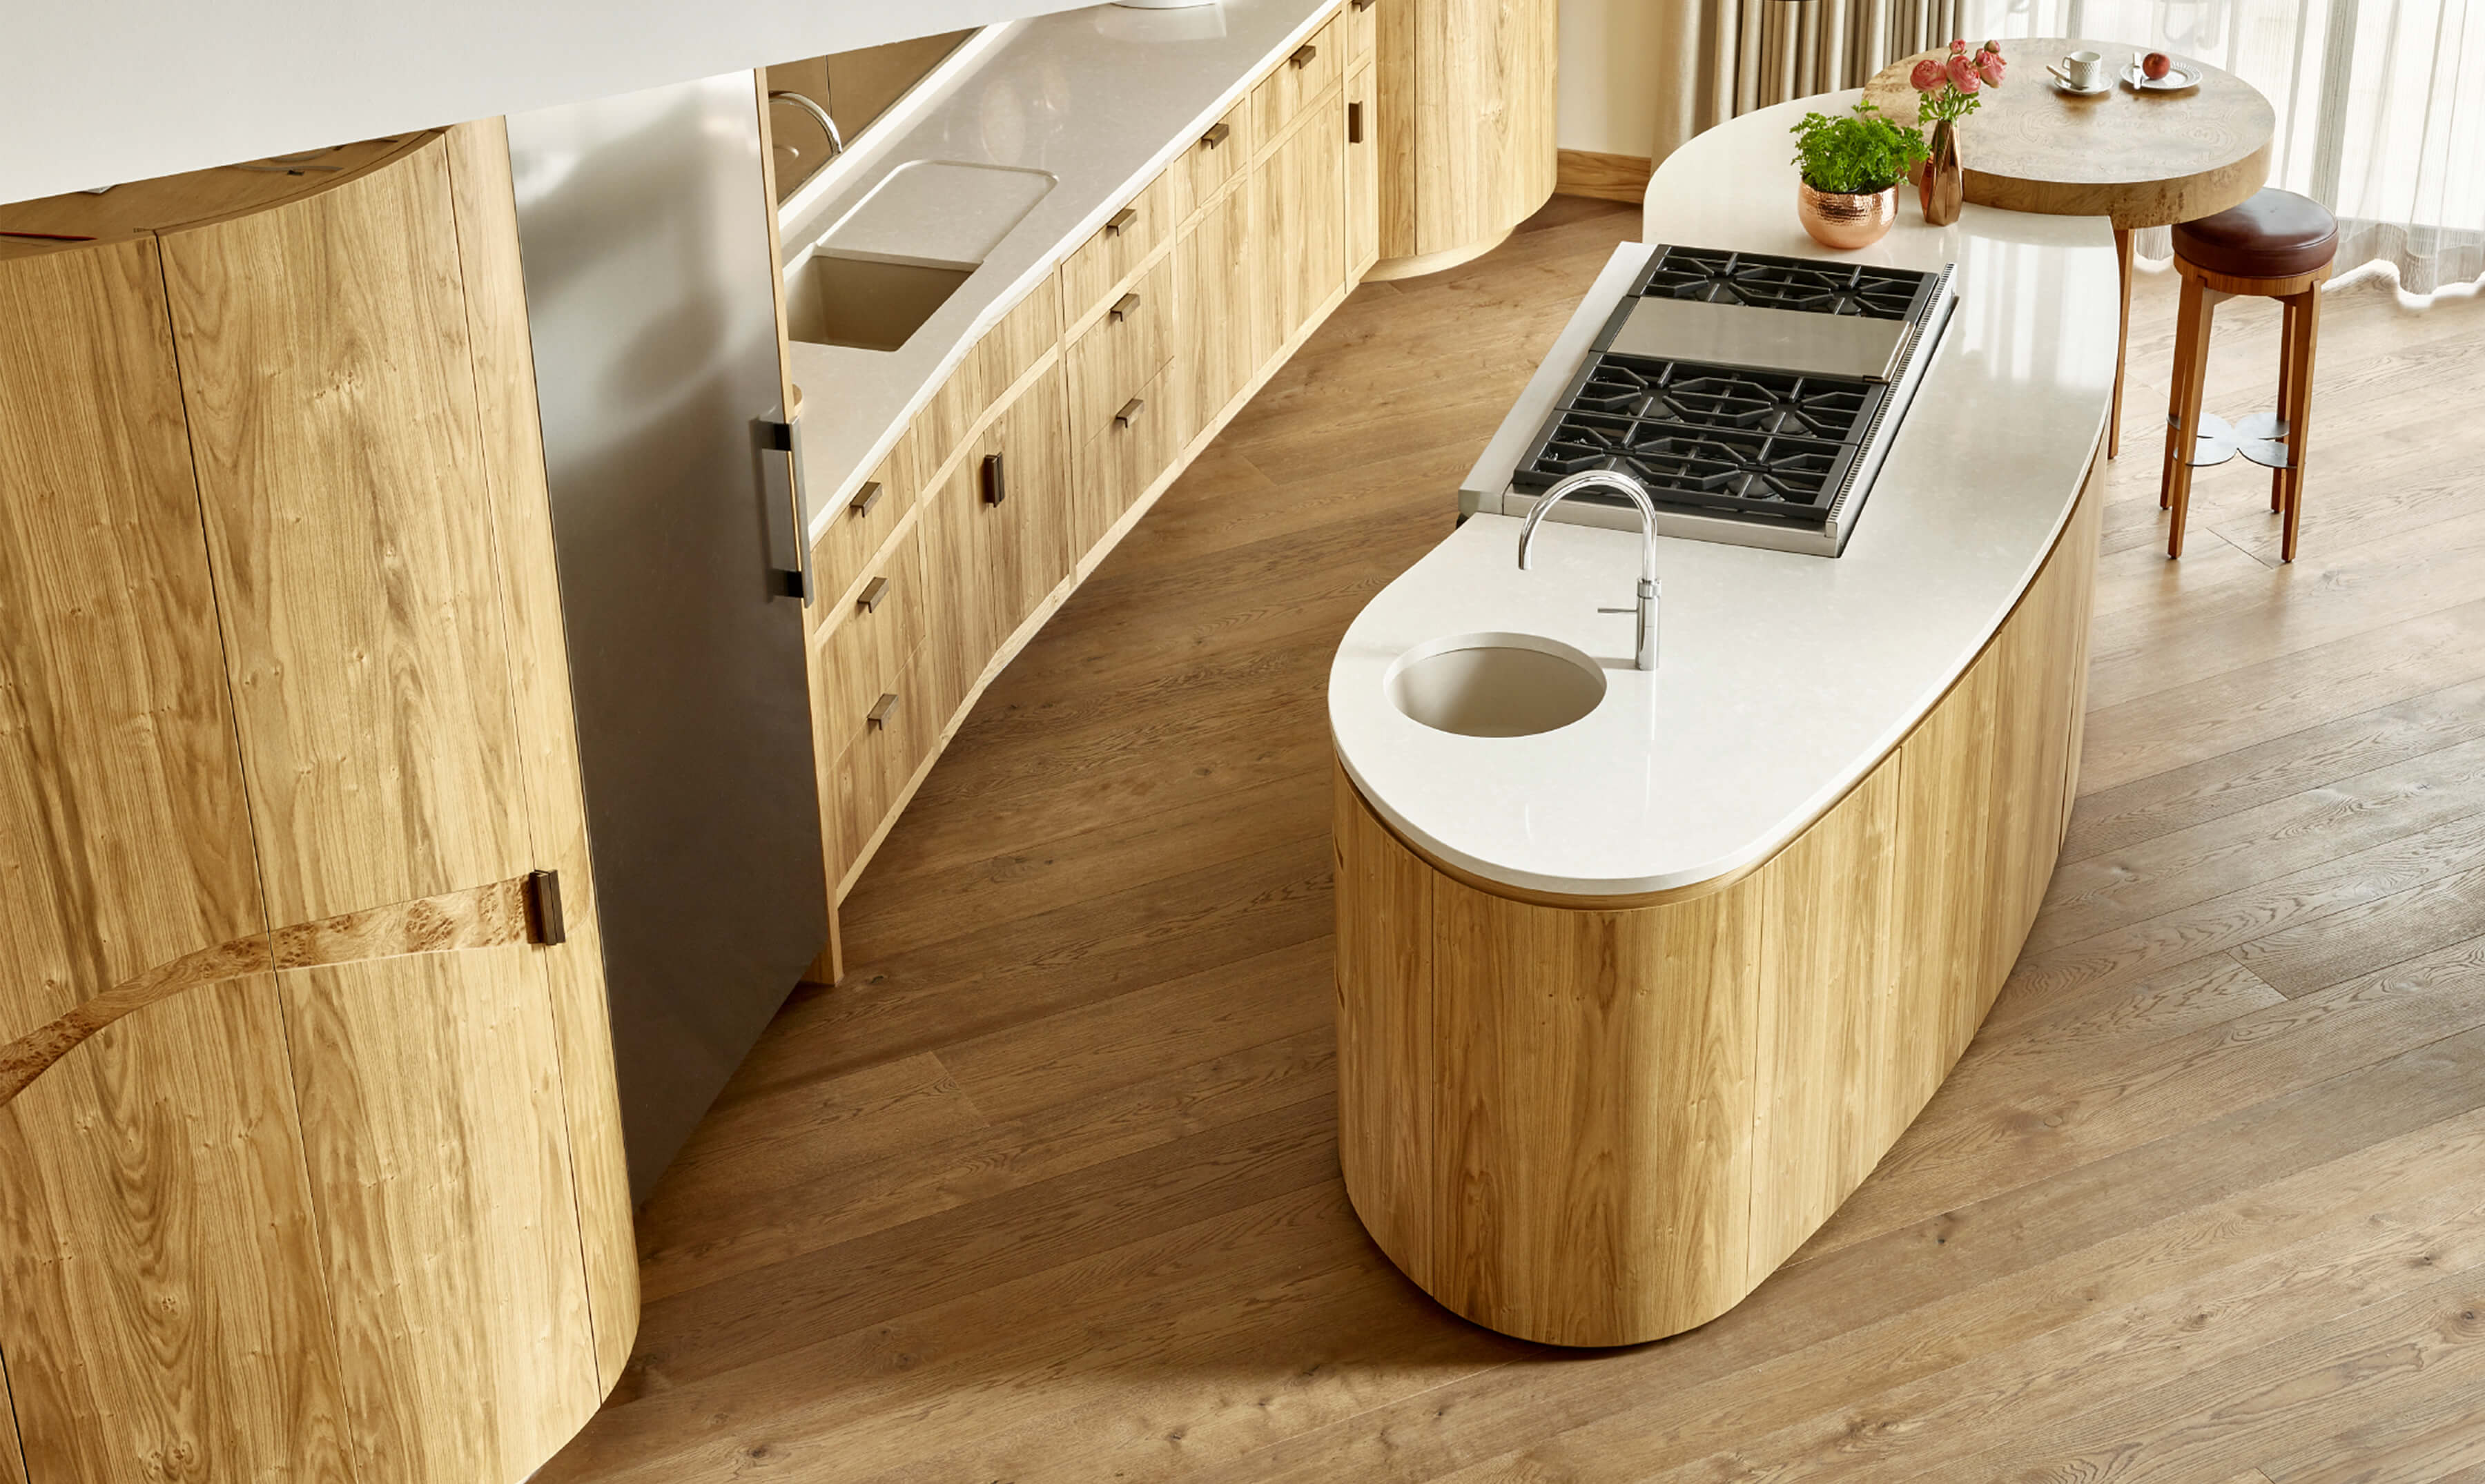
{"x": 1091, "y": 274}
{"x": 1361, "y": 21}
{"x": 1217, "y": 158}
{"x": 1118, "y": 464}
{"x": 1312, "y": 69}
{"x": 1005, "y": 353}
{"x": 862, "y": 523}
{"x": 1123, "y": 352}
{"x": 874, "y": 643}
{"x": 866, "y": 777}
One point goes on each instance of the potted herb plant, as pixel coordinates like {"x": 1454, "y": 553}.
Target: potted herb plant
{"x": 1851, "y": 165}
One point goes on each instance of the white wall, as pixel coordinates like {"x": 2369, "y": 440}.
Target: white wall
{"x": 98, "y": 92}
{"x": 1605, "y": 50}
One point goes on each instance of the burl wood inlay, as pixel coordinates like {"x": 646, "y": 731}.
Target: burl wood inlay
{"x": 506, "y": 911}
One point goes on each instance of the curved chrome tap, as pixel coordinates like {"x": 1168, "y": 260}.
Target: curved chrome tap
{"x": 1614, "y": 480}
{"x": 811, "y": 106}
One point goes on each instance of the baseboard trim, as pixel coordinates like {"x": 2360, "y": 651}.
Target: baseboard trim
{"x": 1604, "y": 176}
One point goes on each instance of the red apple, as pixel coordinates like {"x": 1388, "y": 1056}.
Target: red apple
{"x": 2155, "y": 65}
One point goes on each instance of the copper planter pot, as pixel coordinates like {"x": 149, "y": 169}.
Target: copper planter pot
{"x": 1843, "y": 222}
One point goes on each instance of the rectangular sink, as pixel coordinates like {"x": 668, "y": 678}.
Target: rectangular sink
{"x": 896, "y": 257}
{"x": 865, "y": 303}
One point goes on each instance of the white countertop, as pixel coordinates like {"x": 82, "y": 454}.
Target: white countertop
{"x": 1783, "y": 678}
{"x": 1101, "y": 100}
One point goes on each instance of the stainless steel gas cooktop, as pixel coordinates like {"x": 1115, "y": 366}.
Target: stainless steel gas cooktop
{"x": 1755, "y": 396}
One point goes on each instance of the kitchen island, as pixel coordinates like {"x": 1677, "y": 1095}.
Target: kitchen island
{"x": 1628, "y": 1006}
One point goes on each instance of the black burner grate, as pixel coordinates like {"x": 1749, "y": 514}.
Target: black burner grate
{"x": 1768, "y": 282}
{"x": 1766, "y": 444}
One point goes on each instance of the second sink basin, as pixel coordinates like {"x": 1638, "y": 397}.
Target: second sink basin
{"x": 1495, "y": 685}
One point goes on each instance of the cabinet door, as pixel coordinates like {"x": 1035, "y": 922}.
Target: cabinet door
{"x": 1362, "y": 175}
{"x": 1298, "y": 206}
{"x": 1217, "y": 350}
{"x": 999, "y": 539}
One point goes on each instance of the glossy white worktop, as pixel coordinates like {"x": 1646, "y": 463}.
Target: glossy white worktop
{"x": 1783, "y": 678}
{"x": 1101, "y": 100}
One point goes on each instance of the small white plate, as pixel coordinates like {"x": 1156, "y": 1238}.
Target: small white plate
{"x": 2175, "y": 81}
{"x": 2063, "y": 85}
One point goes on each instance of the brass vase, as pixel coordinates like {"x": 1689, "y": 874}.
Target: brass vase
{"x": 1843, "y": 221}
{"x": 1942, "y": 188}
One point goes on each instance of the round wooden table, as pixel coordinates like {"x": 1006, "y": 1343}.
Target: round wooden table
{"x": 2140, "y": 160}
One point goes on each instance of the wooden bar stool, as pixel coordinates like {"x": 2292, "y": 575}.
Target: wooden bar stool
{"x": 2280, "y": 246}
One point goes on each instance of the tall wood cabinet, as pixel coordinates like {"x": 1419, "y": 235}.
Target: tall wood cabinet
{"x": 1465, "y": 99}
{"x": 282, "y": 710}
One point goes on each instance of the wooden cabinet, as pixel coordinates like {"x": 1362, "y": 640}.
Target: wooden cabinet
{"x": 1466, "y": 91}
{"x": 1214, "y": 271}
{"x": 1001, "y": 532}
{"x": 863, "y": 521}
{"x": 1164, "y": 320}
{"x": 288, "y": 714}
{"x": 1298, "y": 224}
{"x": 1362, "y": 174}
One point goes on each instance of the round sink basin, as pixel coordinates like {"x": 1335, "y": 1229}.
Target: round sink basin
{"x": 1495, "y": 685}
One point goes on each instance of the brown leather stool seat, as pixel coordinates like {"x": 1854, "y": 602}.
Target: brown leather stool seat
{"x": 2276, "y": 234}
{"x": 2276, "y": 245}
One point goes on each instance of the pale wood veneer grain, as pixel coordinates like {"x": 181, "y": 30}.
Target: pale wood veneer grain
{"x": 1618, "y": 1119}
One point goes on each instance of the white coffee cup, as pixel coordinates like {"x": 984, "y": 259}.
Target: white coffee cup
{"x": 2082, "y": 69}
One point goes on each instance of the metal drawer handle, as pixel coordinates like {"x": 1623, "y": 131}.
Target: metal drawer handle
{"x": 1130, "y": 413}
{"x": 865, "y": 499}
{"x": 872, "y": 592}
{"x": 1124, "y": 308}
{"x": 1121, "y": 222}
{"x": 1303, "y": 54}
{"x": 996, "y": 477}
{"x": 1217, "y": 135}
{"x": 878, "y": 715}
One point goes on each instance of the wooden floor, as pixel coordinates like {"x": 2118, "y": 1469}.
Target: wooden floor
{"x": 1047, "y": 1190}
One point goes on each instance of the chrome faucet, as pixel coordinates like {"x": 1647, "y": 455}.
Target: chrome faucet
{"x": 1614, "y": 480}
{"x": 809, "y": 105}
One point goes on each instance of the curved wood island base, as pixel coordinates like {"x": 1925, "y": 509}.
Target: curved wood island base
{"x": 1603, "y": 1123}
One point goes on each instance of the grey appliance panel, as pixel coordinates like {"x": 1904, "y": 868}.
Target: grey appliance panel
{"x": 1768, "y": 339}
{"x": 642, "y": 224}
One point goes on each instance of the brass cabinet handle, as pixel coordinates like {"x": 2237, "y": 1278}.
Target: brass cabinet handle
{"x": 1124, "y": 308}
{"x": 872, "y": 592}
{"x": 996, "y": 478}
{"x": 1217, "y": 135}
{"x": 1354, "y": 123}
{"x": 878, "y": 715}
{"x": 1303, "y": 55}
{"x": 1130, "y": 413}
{"x": 865, "y": 499}
{"x": 1121, "y": 221}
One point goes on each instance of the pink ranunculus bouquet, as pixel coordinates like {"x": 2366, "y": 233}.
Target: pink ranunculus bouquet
{"x": 1951, "y": 86}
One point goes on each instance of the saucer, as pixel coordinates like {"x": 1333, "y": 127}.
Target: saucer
{"x": 2063, "y": 85}
{"x": 2175, "y": 81}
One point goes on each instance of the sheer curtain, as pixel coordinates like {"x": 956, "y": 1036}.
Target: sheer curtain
{"x": 2381, "y": 108}
{"x": 1716, "y": 59}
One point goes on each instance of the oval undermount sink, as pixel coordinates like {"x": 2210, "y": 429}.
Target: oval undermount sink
{"x": 1495, "y": 685}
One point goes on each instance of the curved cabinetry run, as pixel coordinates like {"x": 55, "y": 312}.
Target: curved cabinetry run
{"x": 1466, "y": 104}
{"x": 1596, "y": 1123}
{"x": 1070, "y": 416}
{"x": 312, "y": 1167}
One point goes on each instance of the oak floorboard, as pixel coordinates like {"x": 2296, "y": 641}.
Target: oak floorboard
{"x": 1046, "y": 1189}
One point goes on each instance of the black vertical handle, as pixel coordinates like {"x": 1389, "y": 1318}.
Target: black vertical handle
{"x": 995, "y": 479}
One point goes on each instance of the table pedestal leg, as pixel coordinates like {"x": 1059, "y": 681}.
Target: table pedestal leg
{"x": 2121, "y": 339}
